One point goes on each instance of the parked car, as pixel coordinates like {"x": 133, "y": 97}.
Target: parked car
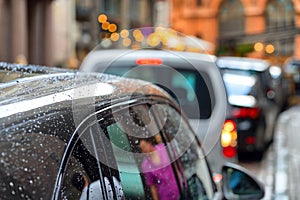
{"x": 291, "y": 69}
{"x": 192, "y": 78}
{"x": 78, "y": 136}
{"x": 249, "y": 90}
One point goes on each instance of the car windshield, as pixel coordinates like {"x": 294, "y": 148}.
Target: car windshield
{"x": 238, "y": 83}
{"x": 187, "y": 86}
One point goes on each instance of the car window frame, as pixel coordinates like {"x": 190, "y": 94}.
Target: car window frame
{"x": 120, "y": 103}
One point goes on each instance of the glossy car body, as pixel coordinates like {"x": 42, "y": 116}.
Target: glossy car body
{"x": 191, "y": 78}
{"x": 249, "y": 88}
{"x": 71, "y": 136}
{"x": 11, "y": 71}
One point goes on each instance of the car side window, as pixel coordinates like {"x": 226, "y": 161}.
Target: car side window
{"x": 91, "y": 172}
{"x": 187, "y": 152}
{"x": 137, "y": 152}
{"x": 142, "y": 158}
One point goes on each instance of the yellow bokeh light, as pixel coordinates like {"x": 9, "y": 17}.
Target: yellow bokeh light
{"x": 226, "y": 139}
{"x": 270, "y": 48}
{"x": 258, "y": 46}
{"x": 228, "y": 126}
{"x": 139, "y": 38}
{"x": 160, "y": 31}
{"x": 105, "y": 25}
{"x": 124, "y": 33}
{"x": 115, "y": 37}
{"x": 126, "y": 42}
{"x": 153, "y": 40}
{"x": 136, "y": 32}
{"x": 138, "y": 35}
{"x": 112, "y": 28}
{"x": 102, "y": 18}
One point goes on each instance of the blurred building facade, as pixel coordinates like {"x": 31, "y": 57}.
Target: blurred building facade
{"x": 36, "y": 31}
{"x": 266, "y": 28}
{"x": 61, "y": 32}
{"x": 98, "y": 19}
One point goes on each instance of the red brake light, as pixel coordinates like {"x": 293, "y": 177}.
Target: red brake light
{"x": 149, "y": 61}
{"x": 250, "y": 140}
{"x": 229, "y": 138}
{"x": 229, "y": 152}
{"x": 246, "y": 112}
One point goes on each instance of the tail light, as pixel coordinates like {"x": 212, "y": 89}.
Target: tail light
{"x": 250, "y": 140}
{"x": 246, "y": 113}
{"x": 149, "y": 61}
{"x": 229, "y": 138}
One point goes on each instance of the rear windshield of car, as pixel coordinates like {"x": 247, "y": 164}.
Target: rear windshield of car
{"x": 187, "y": 86}
{"x": 238, "y": 83}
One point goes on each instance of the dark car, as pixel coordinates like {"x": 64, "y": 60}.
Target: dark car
{"x": 191, "y": 78}
{"x": 82, "y": 136}
{"x": 249, "y": 89}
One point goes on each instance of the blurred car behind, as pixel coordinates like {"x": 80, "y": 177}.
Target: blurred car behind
{"x": 76, "y": 136}
{"x": 249, "y": 88}
{"x": 190, "y": 78}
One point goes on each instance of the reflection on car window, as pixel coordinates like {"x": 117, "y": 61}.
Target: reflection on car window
{"x": 140, "y": 152}
{"x": 92, "y": 172}
{"x": 146, "y": 173}
{"x": 238, "y": 84}
{"x": 184, "y": 145}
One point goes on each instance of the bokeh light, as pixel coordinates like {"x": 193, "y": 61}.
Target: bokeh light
{"x": 102, "y": 18}
{"x": 124, "y": 33}
{"x": 258, "y": 46}
{"x": 105, "y": 25}
{"x": 112, "y": 27}
{"x": 126, "y": 42}
{"x": 153, "y": 40}
{"x": 270, "y": 48}
{"x": 115, "y": 37}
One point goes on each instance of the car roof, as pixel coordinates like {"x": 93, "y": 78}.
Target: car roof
{"x": 107, "y": 57}
{"x": 242, "y": 63}
{"x": 29, "y": 93}
{"x": 13, "y": 71}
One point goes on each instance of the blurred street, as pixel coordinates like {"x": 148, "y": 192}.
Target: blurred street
{"x": 280, "y": 168}
{"x": 263, "y": 170}
{"x": 287, "y": 150}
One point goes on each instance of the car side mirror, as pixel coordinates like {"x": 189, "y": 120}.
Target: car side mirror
{"x": 238, "y": 183}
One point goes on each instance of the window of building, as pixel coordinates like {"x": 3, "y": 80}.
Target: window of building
{"x": 280, "y": 18}
{"x": 279, "y": 15}
{"x": 231, "y": 18}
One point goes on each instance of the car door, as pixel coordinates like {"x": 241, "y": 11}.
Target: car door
{"x": 107, "y": 155}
